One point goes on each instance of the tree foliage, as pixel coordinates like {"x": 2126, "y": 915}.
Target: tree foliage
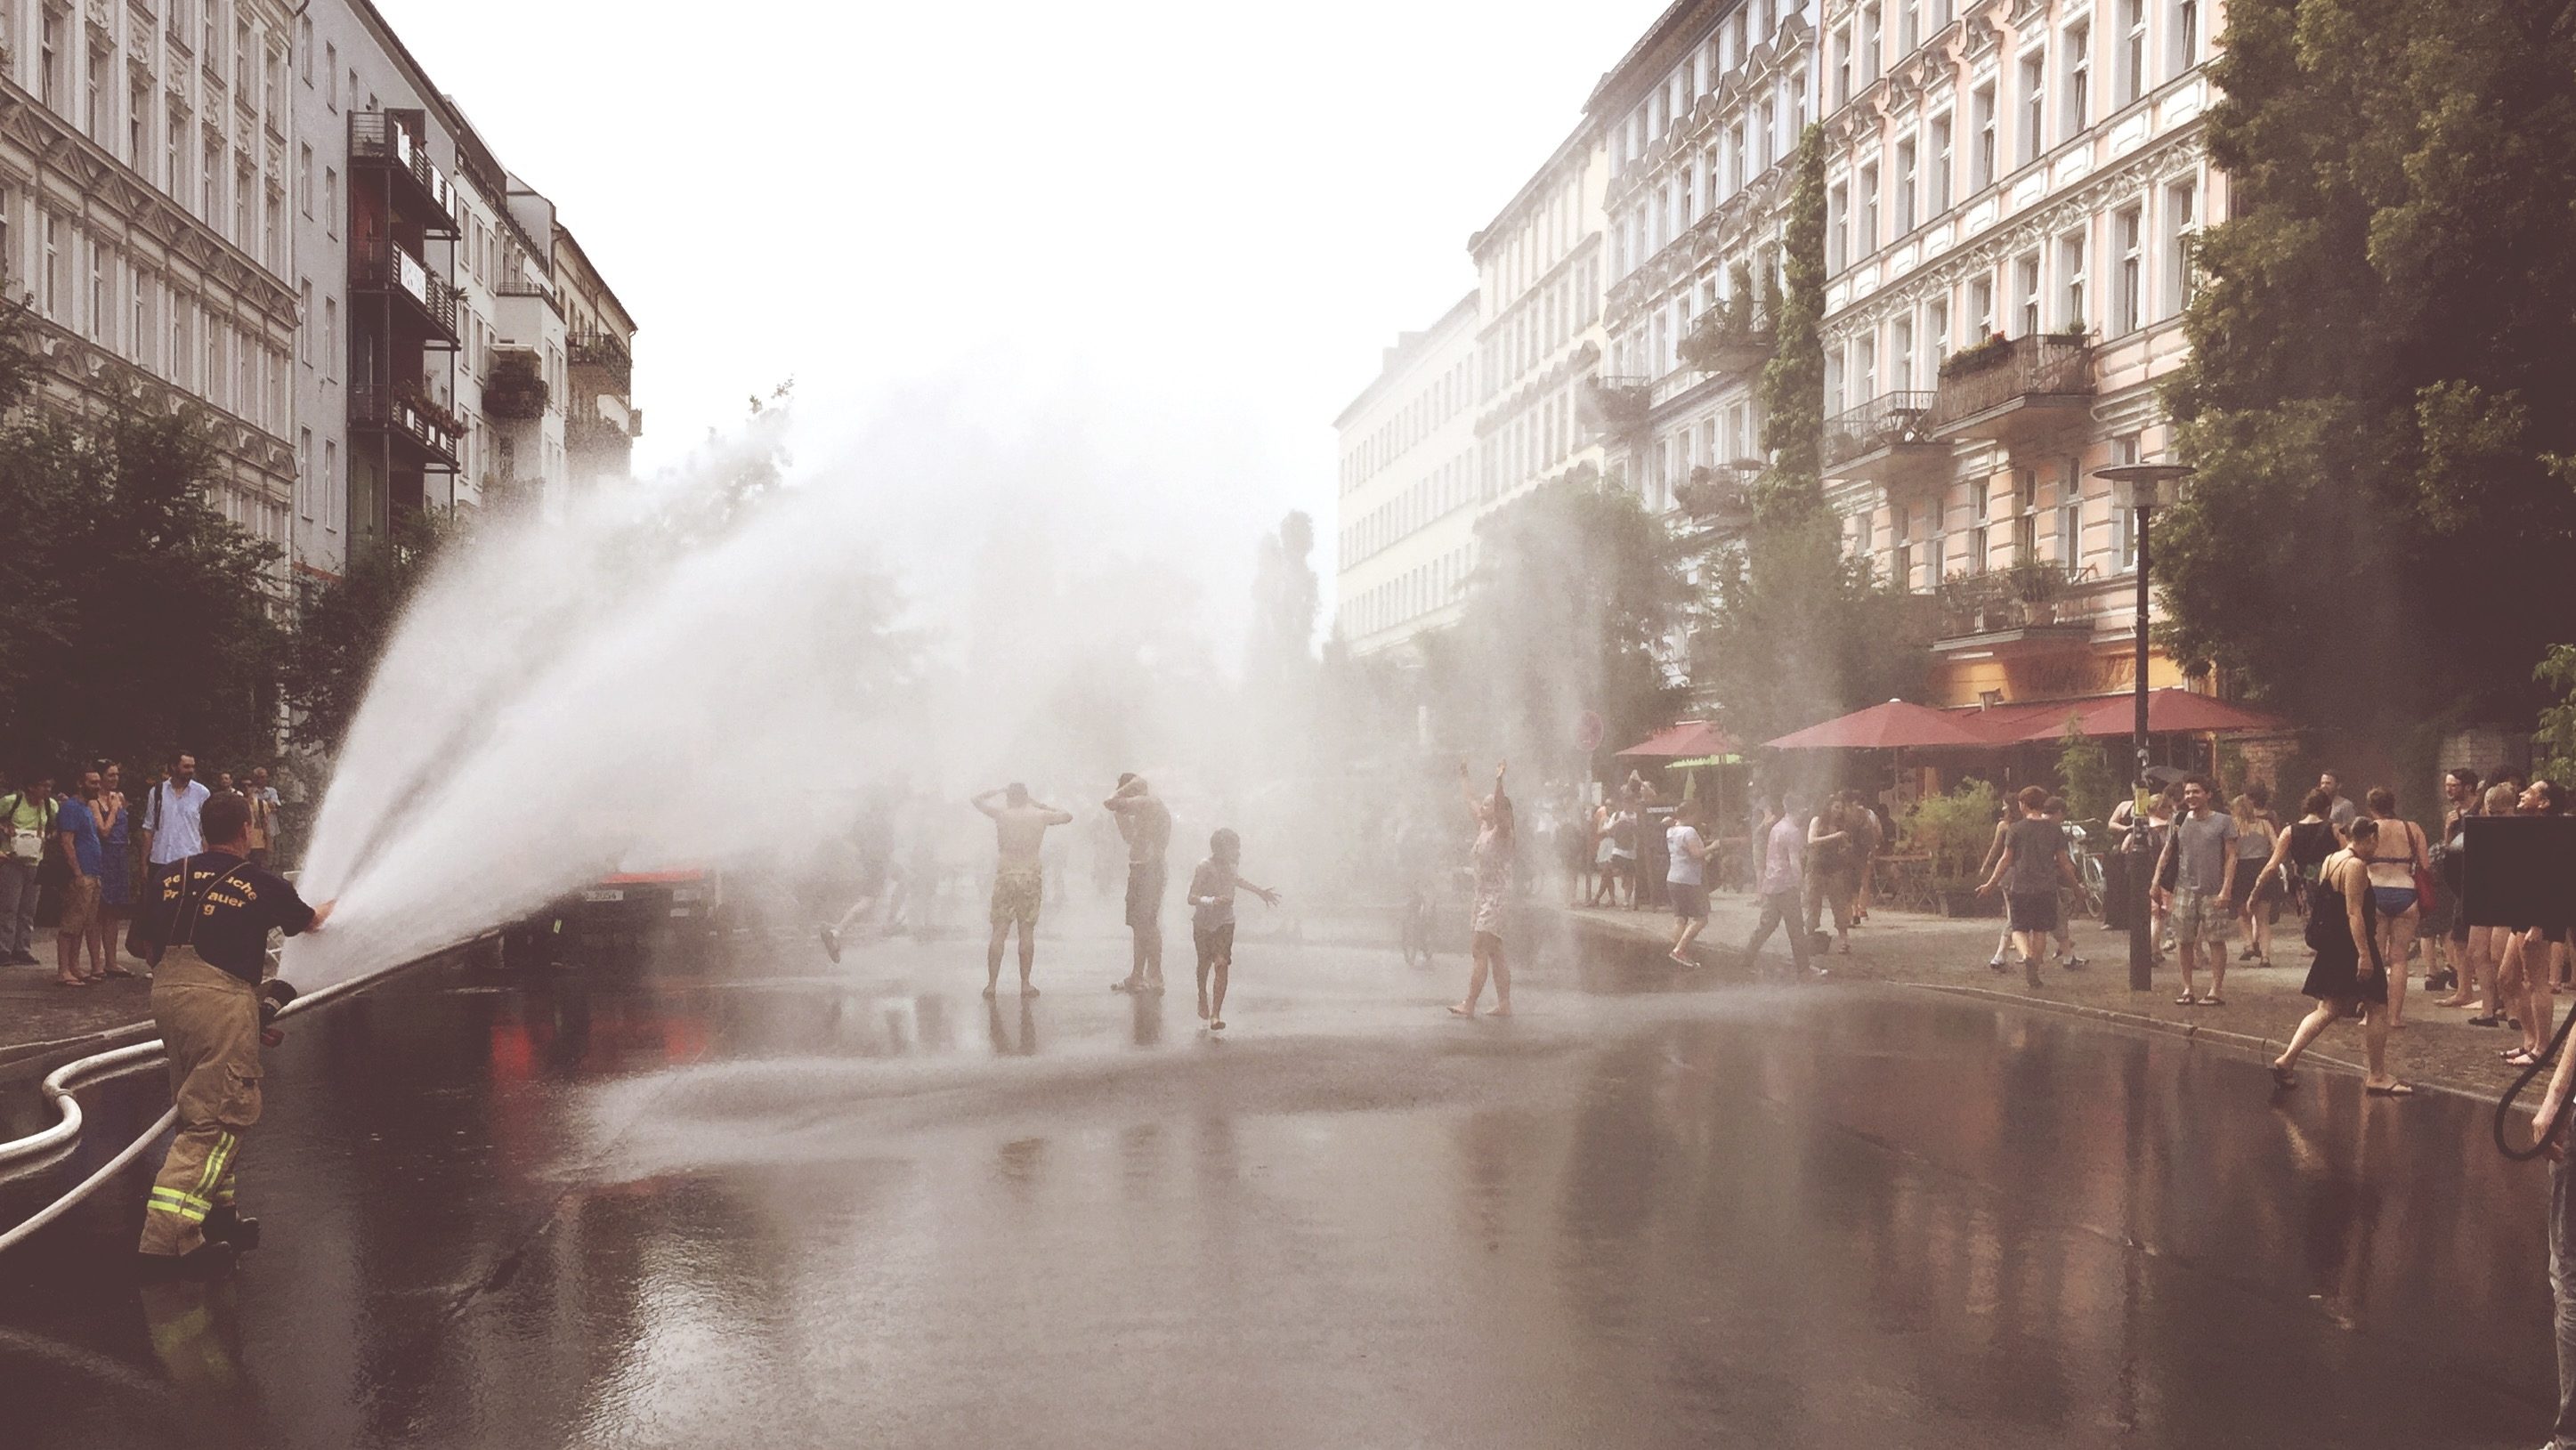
{"x": 2380, "y": 356}
{"x": 139, "y": 618}
{"x": 344, "y": 624}
{"x": 1576, "y": 591}
{"x": 1794, "y": 631}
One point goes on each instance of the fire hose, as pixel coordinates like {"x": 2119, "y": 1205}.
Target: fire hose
{"x": 2504, "y": 1105}
{"x": 63, "y": 1083}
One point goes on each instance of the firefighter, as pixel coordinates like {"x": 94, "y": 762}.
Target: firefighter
{"x": 207, "y": 929}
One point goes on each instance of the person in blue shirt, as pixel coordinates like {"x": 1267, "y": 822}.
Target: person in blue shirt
{"x": 76, "y": 824}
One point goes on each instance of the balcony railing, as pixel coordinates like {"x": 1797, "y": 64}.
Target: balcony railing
{"x": 1717, "y": 495}
{"x": 1885, "y": 421}
{"x": 382, "y": 266}
{"x": 601, "y": 349}
{"x": 409, "y": 414}
{"x": 1731, "y": 340}
{"x": 514, "y": 386}
{"x": 377, "y": 138}
{"x": 1618, "y": 406}
{"x": 2036, "y": 595}
{"x": 2006, "y": 371}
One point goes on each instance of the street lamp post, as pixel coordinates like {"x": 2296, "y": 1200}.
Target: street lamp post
{"x": 2143, "y": 488}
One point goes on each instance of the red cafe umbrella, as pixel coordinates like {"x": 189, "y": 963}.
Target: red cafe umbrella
{"x": 1898, "y": 724}
{"x": 2169, "y": 711}
{"x": 1688, "y": 740}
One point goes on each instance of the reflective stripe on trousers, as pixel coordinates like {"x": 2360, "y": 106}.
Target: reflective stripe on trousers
{"x": 209, "y": 1022}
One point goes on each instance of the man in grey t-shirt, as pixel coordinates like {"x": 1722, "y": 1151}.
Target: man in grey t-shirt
{"x": 2343, "y": 811}
{"x": 2200, "y": 860}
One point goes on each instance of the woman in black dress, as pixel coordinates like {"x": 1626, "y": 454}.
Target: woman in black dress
{"x": 2349, "y": 969}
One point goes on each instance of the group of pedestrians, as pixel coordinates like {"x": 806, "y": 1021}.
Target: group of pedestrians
{"x": 78, "y": 858}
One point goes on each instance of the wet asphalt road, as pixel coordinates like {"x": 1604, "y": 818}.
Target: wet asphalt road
{"x": 684, "y": 1203}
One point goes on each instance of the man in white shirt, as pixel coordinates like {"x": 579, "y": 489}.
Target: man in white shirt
{"x": 170, "y": 833}
{"x": 1686, "y": 880}
{"x": 1782, "y": 840}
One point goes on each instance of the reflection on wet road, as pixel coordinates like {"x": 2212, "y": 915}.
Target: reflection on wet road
{"x": 689, "y": 1205}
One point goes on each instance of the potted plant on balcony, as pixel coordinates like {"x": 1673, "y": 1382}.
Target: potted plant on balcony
{"x": 1736, "y": 335}
{"x": 1977, "y": 357}
{"x": 515, "y": 388}
{"x": 2036, "y": 584}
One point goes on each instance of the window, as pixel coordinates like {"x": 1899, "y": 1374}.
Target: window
{"x": 2182, "y": 225}
{"x": 1837, "y": 212}
{"x": 1982, "y": 111}
{"x": 2182, "y": 31}
{"x": 1936, "y": 330}
{"x": 101, "y": 304}
{"x": 138, "y": 120}
{"x": 2071, "y": 315}
{"x": 304, "y": 48}
{"x": 304, "y": 180}
{"x": 273, "y": 239}
{"x": 304, "y": 473}
{"x": 330, "y": 482}
{"x": 210, "y": 182}
{"x": 1735, "y": 158}
{"x": 1865, "y": 366}
{"x": 331, "y": 74}
{"x": 241, "y": 60}
{"x": 1868, "y": 237}
{"x": 2128, "y": 234}
{"x": 2026, "y": 294}
{"x": 1909, "y": 26}
{"x": 2078, "y": 50}
{"x": 1905, "y": 169}
{"x": 51, "y": 299}
{"x": 1978, "y": 517}
{"x": 1842, "y": 67}
{"x": 2070, "y": 515}
{"x": 331, "y": 199}
{"x": 2131, "y": 81}
{"x": 1833, "y": 382}
{"x": 49, "y": 60}
{"x": 1900, "y": 554}
{"x": 304, "y": 321}
{"x": 1873, "y": 39}
{"x": 2025, "y": 523}
{"x": 244, "y": 179}
{"x": 138, "y": 315}
{"x": 2034, "y": 109}
{"x": 1938, "y": 201}
{"x": 330, "y": 337}
{"x": 1981, "y": 306}
{"x": 1900, "y": 355}
{"x": 178, "y": 341}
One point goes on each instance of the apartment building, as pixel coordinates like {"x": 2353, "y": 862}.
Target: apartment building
{"x": 1409, "y": 487}
{"x": 601, "y": 420}
{"x": 1538, "y": 337}
{"x": 1701, "y": 120}
{"x": 143, "y": 186}
{"x": 2013, "y": 191}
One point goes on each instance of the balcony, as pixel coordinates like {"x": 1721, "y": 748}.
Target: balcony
{"x": 1617, "y": 407}
{"x": 2016, "y": 390}
{"x": 514, "y": 386}
{"x": 590, "y": 436}
{"x": 414, "y": 419}
{"x": 1887, "y": 441}
{"x": 380, "y": 265}
{"x": 2024, "y": 609}
{"x": 1735, "y": 339}
{"x": 599, "y": 350}
{"x": 1718, "y": 497}
{"x": 382, "y": 144}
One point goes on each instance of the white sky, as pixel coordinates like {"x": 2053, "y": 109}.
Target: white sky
{"x": 1182, "y": 228}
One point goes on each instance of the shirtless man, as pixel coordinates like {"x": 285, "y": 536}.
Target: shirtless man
{"x": 1146, "y": 825}
{"x": 1019, "y": 882}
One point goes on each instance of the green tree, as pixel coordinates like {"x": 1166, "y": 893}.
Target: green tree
{"x": 2553, "y": 755}
{"x": 343, "y": 625}
{"x": 2084, "y": 768}
{"x": 140, "y": 618}
{"x": 1793, "y": 630}
{"x": 2377, "y": 419}
{"x": 1575, "y": 598}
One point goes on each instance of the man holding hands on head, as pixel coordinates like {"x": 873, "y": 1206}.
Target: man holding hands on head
{"x": 1146, "y": 825}
{"x": 1019, "y": 879}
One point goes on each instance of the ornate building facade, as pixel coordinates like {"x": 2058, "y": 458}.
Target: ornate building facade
{"x": 1538, "y": 333}
{"x": 143, "y": 196}
{"x": 1408, "y": 492}
{"x": 2011, "y": 199}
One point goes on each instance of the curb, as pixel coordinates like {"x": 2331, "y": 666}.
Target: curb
{"x": 22, "y": 1054}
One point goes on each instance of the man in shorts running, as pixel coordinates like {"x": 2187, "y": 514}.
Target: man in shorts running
{"x": 1146, "y": 825}
{"x": 1019, "y": 882}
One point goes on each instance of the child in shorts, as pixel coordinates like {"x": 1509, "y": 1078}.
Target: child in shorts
{"x": 1212, "y": 889}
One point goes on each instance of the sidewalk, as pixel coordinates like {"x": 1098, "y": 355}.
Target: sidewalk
{"x": 2435, "y": 1048}
{"x": 39, "y": 1020}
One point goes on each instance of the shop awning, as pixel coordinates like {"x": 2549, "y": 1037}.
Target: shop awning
{"x": 1688, "y": 740}
{"x": 1898, "y": 724}
{"x": 2169, "y": 712}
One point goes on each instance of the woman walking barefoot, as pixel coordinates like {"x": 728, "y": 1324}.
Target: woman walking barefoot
{"x": 1493, "y": 863}
{"x": 2349, "y": 970}
{"x": 2487, "y": 944}
{"x": 2395, "y": 865}
{"x": 2258, "y": 893}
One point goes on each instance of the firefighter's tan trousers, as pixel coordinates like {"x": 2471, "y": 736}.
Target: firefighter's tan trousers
{"x": 209, "y": 1022}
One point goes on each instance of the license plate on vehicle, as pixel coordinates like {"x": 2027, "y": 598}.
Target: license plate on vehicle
{"x": 603, "y": 893}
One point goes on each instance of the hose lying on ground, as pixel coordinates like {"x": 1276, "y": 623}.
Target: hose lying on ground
{"x": 63, "y": 1082}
